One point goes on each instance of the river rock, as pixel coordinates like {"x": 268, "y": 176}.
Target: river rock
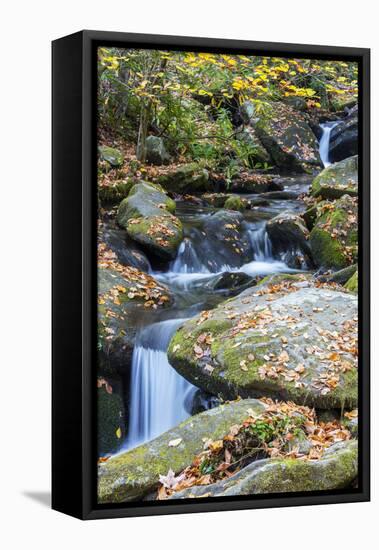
{"x": 334, "y": 237}
{"x": 115, "y": 191}
{"x": 254, "y": 182}
{"x": 344, "y": 137}
{"x": 257, "y": 340}
{"x": 156, "y": 152}
{"x": 341, "y": 276}
{"x": 110, "y": 419}
{"x": 126, "y": 250}
{"x": 337, "y": 180}
{"x": 112, "y": 156}
{"x": 235, "y": 202}
{"x": 133, "y": 474}
{"x": 185, "y": 178}
{"x": 286, "y": 135}
{"x": 289, "y": 239}
{"x": 226, "y": 243}
{"x": 336, "y": 469}
{"x": 257, "y": 153}
{"x": 352, "y": 283}
{"x": 122, "y": 296}
{"x": 147, "y": 216}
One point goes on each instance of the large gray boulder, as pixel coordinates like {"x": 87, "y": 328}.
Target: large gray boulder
{"x": 285, "y": 134}
{"x": 286, "y": 338}
{"x": 133, "y": 474}
{"x": 289, "y": 238}
{"x": 147, "y": 216}
{"x": 344, "y": 137}
{"x": 337, "y": 180}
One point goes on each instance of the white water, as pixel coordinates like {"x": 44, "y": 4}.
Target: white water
{"x": 159, "y": 394}
{"x": 327, "y": 127}
{"x": 160, "y": 397}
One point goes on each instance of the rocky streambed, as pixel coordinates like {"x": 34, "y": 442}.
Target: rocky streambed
{"x": 210, "y": 305}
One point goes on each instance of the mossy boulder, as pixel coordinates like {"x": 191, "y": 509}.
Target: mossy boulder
{"x": 341, "y": 276}
{"x": 125, "y": 249}
{"x": 132, "y": 475}
{"x": 352, "y": 283}
{"x": 286, "y": 135}
{"x": 156, "y": 152}
{"x": 110, "y": 421}
{"x": 337, "y": 180}
{"x": 256, "y": 152}
{"x": 112, "y": 156}
{"x": 147, "y": 216}
{"x": 289, "y": 238}
{"x": 235, "y": 202}
{"x": 122, "y": 299}
{"x": 115, "y": 191}
{"x": 185, "y": 178}
{"x": 336, "y": 469}
{"x": 334, "y": 237}
{"x": 255, "y": 342}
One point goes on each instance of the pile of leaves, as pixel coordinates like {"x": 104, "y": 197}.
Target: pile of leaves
{"x": 138, "y": 285}
{"x": 275, "y": 433}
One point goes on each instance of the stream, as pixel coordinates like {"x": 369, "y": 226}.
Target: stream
{"x": 160, "y": 397}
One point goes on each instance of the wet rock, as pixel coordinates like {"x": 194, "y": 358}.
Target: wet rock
{"x": 112, "y": 156}
{"x": 132, "y": 474}
{"x": 286, "y": 136}
{"x": 226, "y": 243}
{"x": 147, "y": 216}
{"x": 186, "y": 178}
{"x": 337, "y": 180}
{"x": 254, "y": 182}
{"x": 336, "y": 469}
{"x": 259, "y": 338}
{"x": 120, "y": 312}
{"x": 344, "y": 137}
{"x": 110, "y": 419}
{"x": 125, "y": 249}
{"x": 156, "y": 152}
{"x": 334, "y": 237}
{"x": 289, "y": 239}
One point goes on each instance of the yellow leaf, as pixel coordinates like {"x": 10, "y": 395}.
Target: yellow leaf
{"x": 118, "y": 432}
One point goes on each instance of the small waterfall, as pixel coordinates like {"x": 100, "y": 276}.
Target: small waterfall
{"x": 327, "y": 127}
{"x": 187, "y": 260}
{"x": 160, "y": 398}
{"x": 260, "y": 243}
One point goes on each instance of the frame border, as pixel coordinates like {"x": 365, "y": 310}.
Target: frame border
{"x": 83, "y": 471}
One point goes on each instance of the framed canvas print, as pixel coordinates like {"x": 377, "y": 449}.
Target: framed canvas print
{"x": 210, "y": 274}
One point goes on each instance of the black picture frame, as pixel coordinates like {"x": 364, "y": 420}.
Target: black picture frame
{"x": 74, "y": 207}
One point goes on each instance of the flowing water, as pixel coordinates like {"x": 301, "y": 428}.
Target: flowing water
{"x": 160, "y": 397}
{"x": 327, "y": 127}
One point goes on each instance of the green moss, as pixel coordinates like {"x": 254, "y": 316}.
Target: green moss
{"x": 131, "y": 475}
{"x": 115, "y": 192}
{"x": 337, "y": 180}
{"x": 352, "y": 283}
{"x": 111, "y": 155}
{"x": 326, "y": 251}
{"x": 235, "y": 203}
